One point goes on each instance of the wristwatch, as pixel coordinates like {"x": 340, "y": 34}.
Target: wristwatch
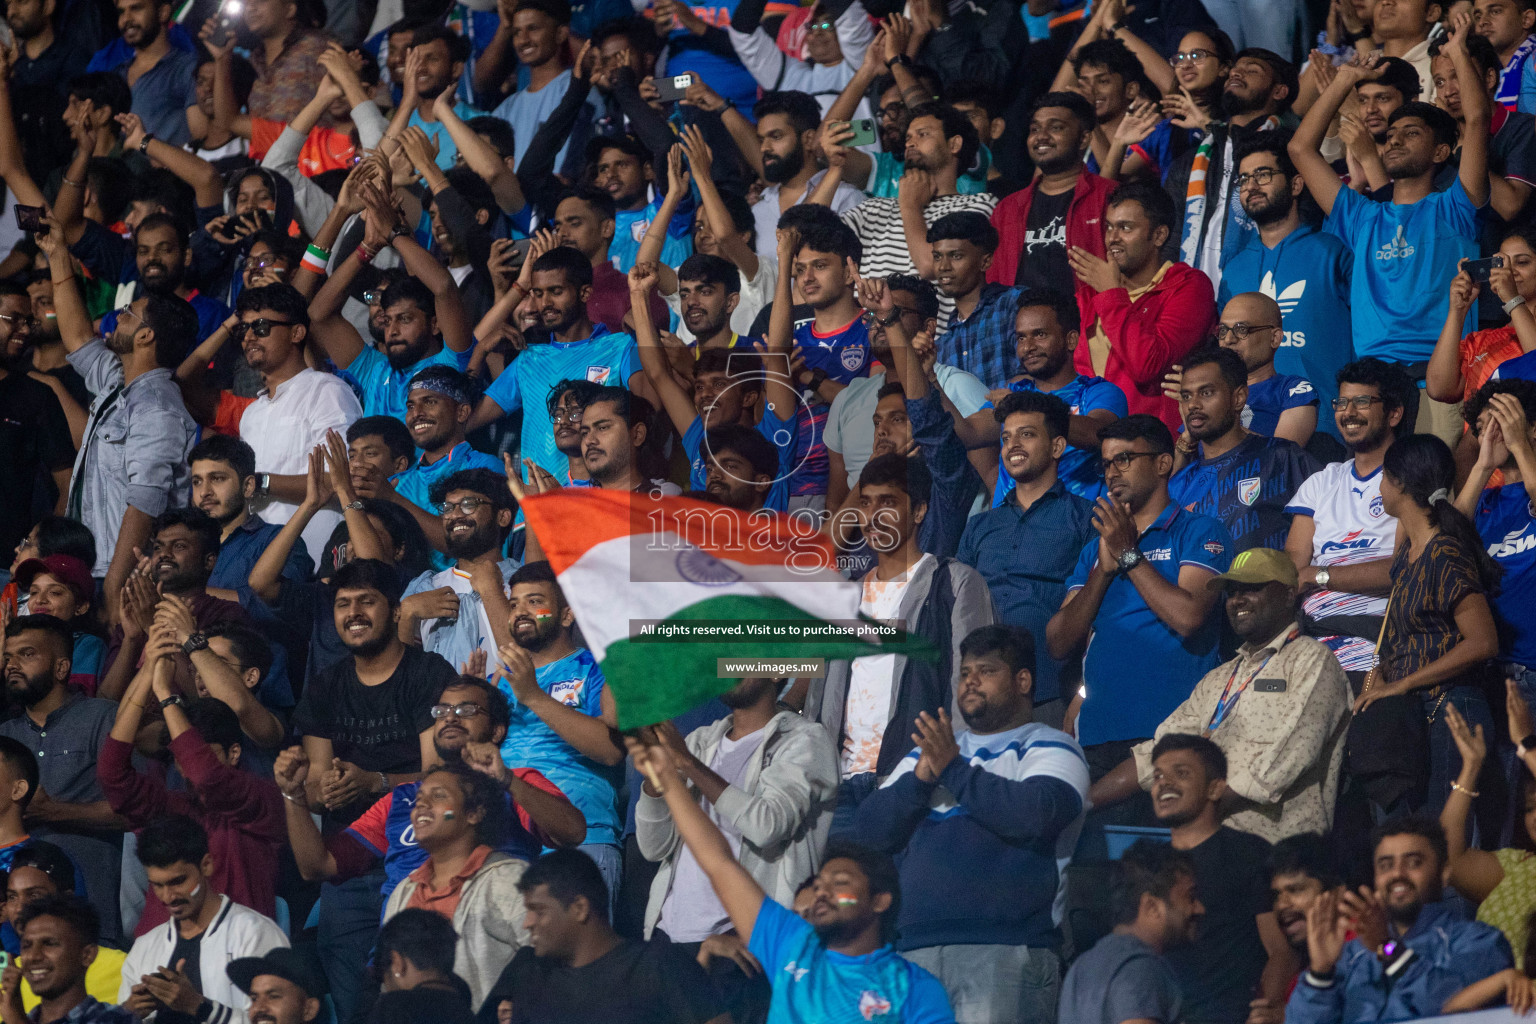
{"x": 195, "y": 642}
{"x": 1322, "y": 578}
{"x": 354, "y": 506}
{"x": 176, "y": 699}
{"x": 886, "y": 323}
{"x": 818, "y": 378}
{"x": 1129, "y": 560}
{"x": 144, "y": 143}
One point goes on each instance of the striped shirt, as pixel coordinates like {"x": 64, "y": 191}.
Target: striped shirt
{"x": 877, "y": 222}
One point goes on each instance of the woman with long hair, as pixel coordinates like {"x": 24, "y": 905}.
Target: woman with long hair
{"x": 1439, "y": 628}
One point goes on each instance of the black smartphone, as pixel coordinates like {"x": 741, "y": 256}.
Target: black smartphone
{"x": 670, "y": 90}
{"x": 30, "y": 219}
{"x": 224, "y": 28}
{"x": 863, "y": 132}
{"x": 1269, "y": 686}
{"x": 1478, "y": 270}
{"x": 520, "y": 247}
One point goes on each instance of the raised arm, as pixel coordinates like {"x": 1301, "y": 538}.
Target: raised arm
{"x": 655, "y": 238}
{"x": 701, "y": 163}
{"x": 226, "y": 106}
{"x": 68, "y": 306}
{"x": 267, "y": 574}
{"x": 653, "y": 357}
{"x": 12, "y": 168}
{"x": 207, "y": 184}
{"x": 480, "y": 157}
{"x": 1474, "y": 110}
{"x": 1305, "y": 146}
{"x": 1443, "y": 379}
{"x": 738, "y": 891}
{"x": 386, "y": 219}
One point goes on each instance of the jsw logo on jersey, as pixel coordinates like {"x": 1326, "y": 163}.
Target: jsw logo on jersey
{"x": 1301, "y": 387}
{"x": 1514, "y": 543}
{"x": 1397, "y": 249}
{"x": 1351, "y": 541}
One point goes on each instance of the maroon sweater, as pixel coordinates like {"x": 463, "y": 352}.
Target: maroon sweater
{"x": 243, "y": 815}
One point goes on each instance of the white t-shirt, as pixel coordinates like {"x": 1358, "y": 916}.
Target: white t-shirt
{"x": 850, "y": 429}
{"x": 1350, "y": 526}
{"x": 755, "y": 294}
{"x": 282, "y": 428}
{"x": 766, "y": 210}
{"x": 870, "y": 680}
{"x": 692, "y": 912}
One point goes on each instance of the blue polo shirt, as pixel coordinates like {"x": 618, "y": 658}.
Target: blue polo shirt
{"x": 813, "y": 983}
{"x": 1137, "y": 669}
{"x": 576, "y": 682}
{"x": 606, "y": 357}
{"x": 780, "y": 432}
{"x": 383, "y": 387}
{"x": 1079, "y": 467}
{"x": 1026, "y": 556}
{"x": 1504, "y": 521}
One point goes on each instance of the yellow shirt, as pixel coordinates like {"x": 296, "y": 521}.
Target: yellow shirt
{"x": 102, "y": 979}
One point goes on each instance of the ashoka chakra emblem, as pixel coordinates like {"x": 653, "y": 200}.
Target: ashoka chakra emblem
{"x": 706, "y": 570}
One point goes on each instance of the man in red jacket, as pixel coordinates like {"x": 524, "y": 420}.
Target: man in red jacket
{"x": 241, "y": 812}
{"x": 1063, "y": 208}
{"x": 1144, "y": 314}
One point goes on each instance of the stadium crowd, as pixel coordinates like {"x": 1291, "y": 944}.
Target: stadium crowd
{"x": 1166, "y": 369}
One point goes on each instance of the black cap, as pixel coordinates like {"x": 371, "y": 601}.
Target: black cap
{"x": 282, "y": 962}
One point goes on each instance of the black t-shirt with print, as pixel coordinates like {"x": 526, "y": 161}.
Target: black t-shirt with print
{"x": 1043, "y": 263}
{"x": 378, "y": 727}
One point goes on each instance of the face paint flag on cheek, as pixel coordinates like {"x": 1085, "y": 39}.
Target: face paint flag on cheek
{"x": 541, "y": 615}
{"x": 843, "y": 899}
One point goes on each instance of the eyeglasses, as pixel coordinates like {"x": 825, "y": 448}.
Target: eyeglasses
{"x": 823, "y": 25}
{"x": 123, "y": 311}
{"x": 1194, "y": 56}
{"x": 26, "y": 323}
{"x": 373, "y": 296}
{"x": 259, "y": 262}
{"x": 1123, "y": 461}
{"x": 469, "y": 506}
{"x": 457, "y": 710}
{"x": 1241, "y": 331}
{"x": 261, "y": 327}
{"x": 571, "y": 416}
{"x": 891, "y": 111}
{"x": 899, "y": 311}
{"x": 1261, "y": 177}
{"x": 1360, "y": 402}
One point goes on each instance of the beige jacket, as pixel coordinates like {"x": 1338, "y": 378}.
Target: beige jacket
{"x": 1283, "y": 748}
{"x": 489, "y": 922}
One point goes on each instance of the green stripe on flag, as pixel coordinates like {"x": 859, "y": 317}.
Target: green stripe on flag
{"x": 654, "y": 678}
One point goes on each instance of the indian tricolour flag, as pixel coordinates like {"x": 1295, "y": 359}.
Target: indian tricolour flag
{"x": 663, "y": 588}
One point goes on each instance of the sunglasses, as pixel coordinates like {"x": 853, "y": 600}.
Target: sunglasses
{"x": 465, "y": 710}
{"x": 261, "y": 327}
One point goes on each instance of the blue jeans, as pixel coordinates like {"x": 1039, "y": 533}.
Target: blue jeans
{"x": 1444, "y": 758}
{"x": 611, "y": 863}
{"x": 349, "y": 924}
